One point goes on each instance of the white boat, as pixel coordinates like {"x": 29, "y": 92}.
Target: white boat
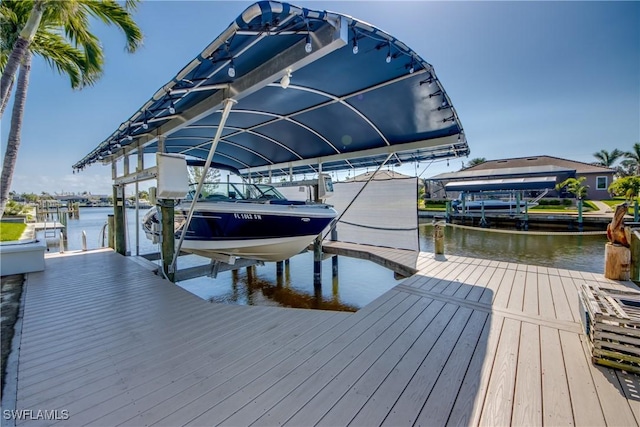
{"x": 245, "y": 220}
{"x": 491, "y": 205}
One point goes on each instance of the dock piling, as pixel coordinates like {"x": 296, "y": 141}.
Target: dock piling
{"x": 110, "y": 232}
{"x": 317, "y": 262}
{"x": 168, "y": 243}
{"x": 119, "y": 225}
{"x": 438, "y": 237}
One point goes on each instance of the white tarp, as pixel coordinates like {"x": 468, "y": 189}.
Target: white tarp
{"x": 384, "y": 214}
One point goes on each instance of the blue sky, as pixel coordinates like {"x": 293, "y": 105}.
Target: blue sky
{"x": 527, "y": 78}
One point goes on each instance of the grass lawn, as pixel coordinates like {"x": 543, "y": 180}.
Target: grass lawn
{"x": 11, "y": 230}
{"x": 554, "y": 208}
{"x": 615, "y": 202}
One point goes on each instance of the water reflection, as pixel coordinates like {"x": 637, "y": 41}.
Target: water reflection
{"x": 250, "y": 289}
{"x": 355, "y": 285}
{"x": 560, "y": 251}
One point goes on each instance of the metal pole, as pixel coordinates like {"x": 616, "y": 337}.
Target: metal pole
{"x": 228, "y": 103}
{"x": 317, "y": 247}
{"x": 526, "y": 216}
{"x": 84, "y": 240}
{"x": 580, "y": 226}
{"x": 636, "y": 211}
{"x": 61, "y": 249}
{"x": 483, "y": 220}
{"x": 137, "y": 222}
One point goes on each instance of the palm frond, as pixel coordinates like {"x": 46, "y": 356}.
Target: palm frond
{"x": 112, "y": 13}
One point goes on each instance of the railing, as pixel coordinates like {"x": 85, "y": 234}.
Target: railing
{"x": 540, "y": 196}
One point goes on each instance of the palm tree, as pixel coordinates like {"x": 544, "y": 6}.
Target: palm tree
{"x": 474, "y": 162}
{"x": 574, "y": 186}
{"x": 20, "y": 47}
{"x": 63, "y": 39}
{"x": 633, "y": 157}
{"x": 607, "y": 159}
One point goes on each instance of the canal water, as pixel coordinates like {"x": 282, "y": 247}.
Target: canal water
{"x": 359, "y": 282}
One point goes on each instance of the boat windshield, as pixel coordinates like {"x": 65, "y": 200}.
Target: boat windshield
{"x": 232, "y": 191}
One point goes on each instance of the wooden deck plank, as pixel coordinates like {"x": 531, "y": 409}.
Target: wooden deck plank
{"x": 438, "y": 405}
{"x": 563, "y": 311}
{"x": 530, "y": 304}
{"x": 516, "y": 299}
{"x": 163, "y": 365}
{"x": 501, "y": 297}
{"x": 324, "y": 409}
{"x": 471, "y": 396}
{"x": 556, "y": 401}
{"x": 498, "y": 405}
{"x": 480, "y": 286}
{"x": 150, "y": 392}
{"x": 492, "y": 286}
{"x": 584, "y": 398}
{"x": 545, "y": 297}
{"x": 224, "y": 400}
{"x": 615, "y": 406}
{"x": 144, "y": 359}
{"x": 378, "y": 405}
{"x": 320, "y": 391}
{"x": 407, "y": 408}
{"x": 571, "y": 291}
{"x": 527, "y": 400}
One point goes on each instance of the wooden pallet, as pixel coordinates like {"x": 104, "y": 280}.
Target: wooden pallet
{"x": 611, "y": 319}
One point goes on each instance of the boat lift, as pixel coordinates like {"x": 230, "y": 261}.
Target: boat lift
{"x": 276, "y": 95}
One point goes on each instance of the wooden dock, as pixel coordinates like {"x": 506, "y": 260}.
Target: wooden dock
{"x": 462, "y": 342}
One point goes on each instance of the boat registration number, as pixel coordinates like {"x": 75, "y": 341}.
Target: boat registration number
{"x": 246, "y": 216}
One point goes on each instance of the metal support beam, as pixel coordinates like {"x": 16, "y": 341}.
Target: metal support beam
{"x": 228, "y": 103}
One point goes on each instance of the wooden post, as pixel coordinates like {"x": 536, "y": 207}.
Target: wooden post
{"x": 110, "y": 232}
{"x": 438, "y": 238}
{"x": 448, "y": 211}
{"x": 118, "y": 219}
{"x": 64, "y": 220}
{"x": 636, "y": 211}
{"x": 580, "y": 226}
{"x": 526, "y": 216}
{"x": 168, "y": 242}
{"x": 279, "y": 268}
{"x": 317, "y": 262}
{"x": 617, "y": 262}
{"x": 635, "y": 255}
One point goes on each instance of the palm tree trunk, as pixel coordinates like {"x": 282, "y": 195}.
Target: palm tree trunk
{"x": 5, "y": 101}
{"x": 20, "y": 49}
{"x": 13, "y": 142}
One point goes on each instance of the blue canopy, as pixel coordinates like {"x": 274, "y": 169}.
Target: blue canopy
{"x": 312, "y": 87}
